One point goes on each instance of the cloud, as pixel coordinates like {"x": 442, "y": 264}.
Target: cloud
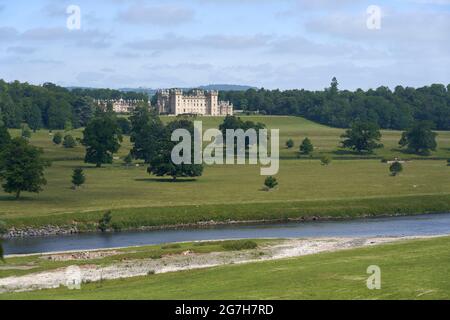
{"x": 83, "y": 38}
{"x": 164, "y": 15}
{"x": 21, "y": 50}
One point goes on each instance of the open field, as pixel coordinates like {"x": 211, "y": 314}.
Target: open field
{"x": 414, "y": 269}
{"x": 346, "y": 188}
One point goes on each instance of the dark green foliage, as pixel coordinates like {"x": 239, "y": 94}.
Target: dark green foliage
{"x": 69, "y": 142}
{"x": 419, "y": 138}
{"x": 325, "y": 160}
{"x": 396, "y": 109}
{"x": 57, "y": 138}
{"x": 22, "y": 167}
{"x": 235, "y": 123}
{"x": 1, "y": 251}
{"x": 146, "y": 132}
{"x": 161, "y": 164}
{"x": 362, "y": 137}
{"x": 5, "y": 138}
{"x": 395, "y": 168}
{"x": 33, "y": 116}
{"x": 124, "y": 125}
{"x": 26, "y": 132}
{"x": 102, "y": 139}
{"x": 271, "y": 182}
{"x": 105, "y": 222}
{"x": 239, "y": 245}
{"x": 290, "y": 144}
{"x": 448, "y": 162}
{"x": 306, "y": 147}
{"x": 78, "y": 178}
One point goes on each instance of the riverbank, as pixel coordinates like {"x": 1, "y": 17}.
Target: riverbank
{"x": 210, "y": 215}
{"x": 100, "y": 265}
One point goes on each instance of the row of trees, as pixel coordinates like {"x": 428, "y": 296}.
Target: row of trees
{"x": 50, "y": 106}
{"x": 397, "y": 109}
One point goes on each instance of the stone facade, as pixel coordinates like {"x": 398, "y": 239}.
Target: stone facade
{"x": 120, "y": 106}
{"x": 199, "y": 102}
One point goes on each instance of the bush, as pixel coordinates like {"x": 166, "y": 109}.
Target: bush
{"x": 448, "y": 162}
{"x": 395, "y": 168}
{"x": 26, "y": 132}
{"x": 69, "y": 142}
{"x": 290, "y": 144}
{"x": 57, "y": 138}
{"x": 306, "y": 147}
{"x": 325, "y": 160}
{"x": 239, "y": 245}
{"x": 271, "y": 182}
{"x": 78, "y": 178}
{"x": 105, "y": 222}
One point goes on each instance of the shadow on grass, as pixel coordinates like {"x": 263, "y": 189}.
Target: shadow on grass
{"x": 344, "y": 152}
{"x": 11, "y": 198}
{"x": 178, "y": 180}
{"x": 410, "y": 153}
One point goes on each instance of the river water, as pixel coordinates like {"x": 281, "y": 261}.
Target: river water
{"x": 419, "y": 225}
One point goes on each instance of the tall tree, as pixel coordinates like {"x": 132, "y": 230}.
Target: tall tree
{"x": 161, "y": 163}
{"x": 146, "y": 132}
{"x": 102, "y": 138}
{"x": 22, "y": 167}
{"x": 362, "y": 137}
{"x": 419, "y": 138}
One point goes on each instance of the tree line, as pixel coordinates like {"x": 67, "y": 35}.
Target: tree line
{"x": 397, "y": 109}
{"x": 50, "y": 106}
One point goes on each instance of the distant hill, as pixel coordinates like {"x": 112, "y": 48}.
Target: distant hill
{"x": 218, "y": 87}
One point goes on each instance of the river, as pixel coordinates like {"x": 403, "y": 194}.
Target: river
{"x": 419, "y": 225}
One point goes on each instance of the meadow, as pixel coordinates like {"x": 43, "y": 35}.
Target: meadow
{"x": 413, "y": 269}
{"x": 350, "y": 186}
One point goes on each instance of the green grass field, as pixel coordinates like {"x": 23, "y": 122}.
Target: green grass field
{"x": 417, "y": 269}
{"x": 346, "y": 188}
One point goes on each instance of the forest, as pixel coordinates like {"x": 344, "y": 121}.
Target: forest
{"x": 54, "y": 107}
{"x": 51, "y": 106}
{"x": 397, "y": 109}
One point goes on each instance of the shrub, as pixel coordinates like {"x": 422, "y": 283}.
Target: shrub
{"x": 78, "y": 177}
{"x": 306, "y": 147}
{"x": 270, "y": 182}
{"x": 290, "y": 144}
{"x": 448, "y": 162}
{"x": 69, "y": 142}
{"x": 57, "y": 138}
{"x": 239, "y": 245}
{"x": 105, "y": 222}
{"x": 325, "y": 160}
{"x": 26, "y": 132}
{"x": 395, "y": 168}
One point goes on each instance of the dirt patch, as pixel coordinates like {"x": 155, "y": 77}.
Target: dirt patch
{"x": 85, "y": 255}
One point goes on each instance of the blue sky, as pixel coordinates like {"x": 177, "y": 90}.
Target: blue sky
{"x": 265, "y": 43}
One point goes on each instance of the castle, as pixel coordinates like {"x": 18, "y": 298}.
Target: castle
{"x": 120, "y": 105}
{"x": 198, "y": 102}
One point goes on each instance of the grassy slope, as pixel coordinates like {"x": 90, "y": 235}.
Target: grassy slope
{"x": 306, "y": 188}
{"x": 417, "y": 269}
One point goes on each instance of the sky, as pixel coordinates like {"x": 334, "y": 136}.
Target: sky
{"x": 273, "y": 44}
